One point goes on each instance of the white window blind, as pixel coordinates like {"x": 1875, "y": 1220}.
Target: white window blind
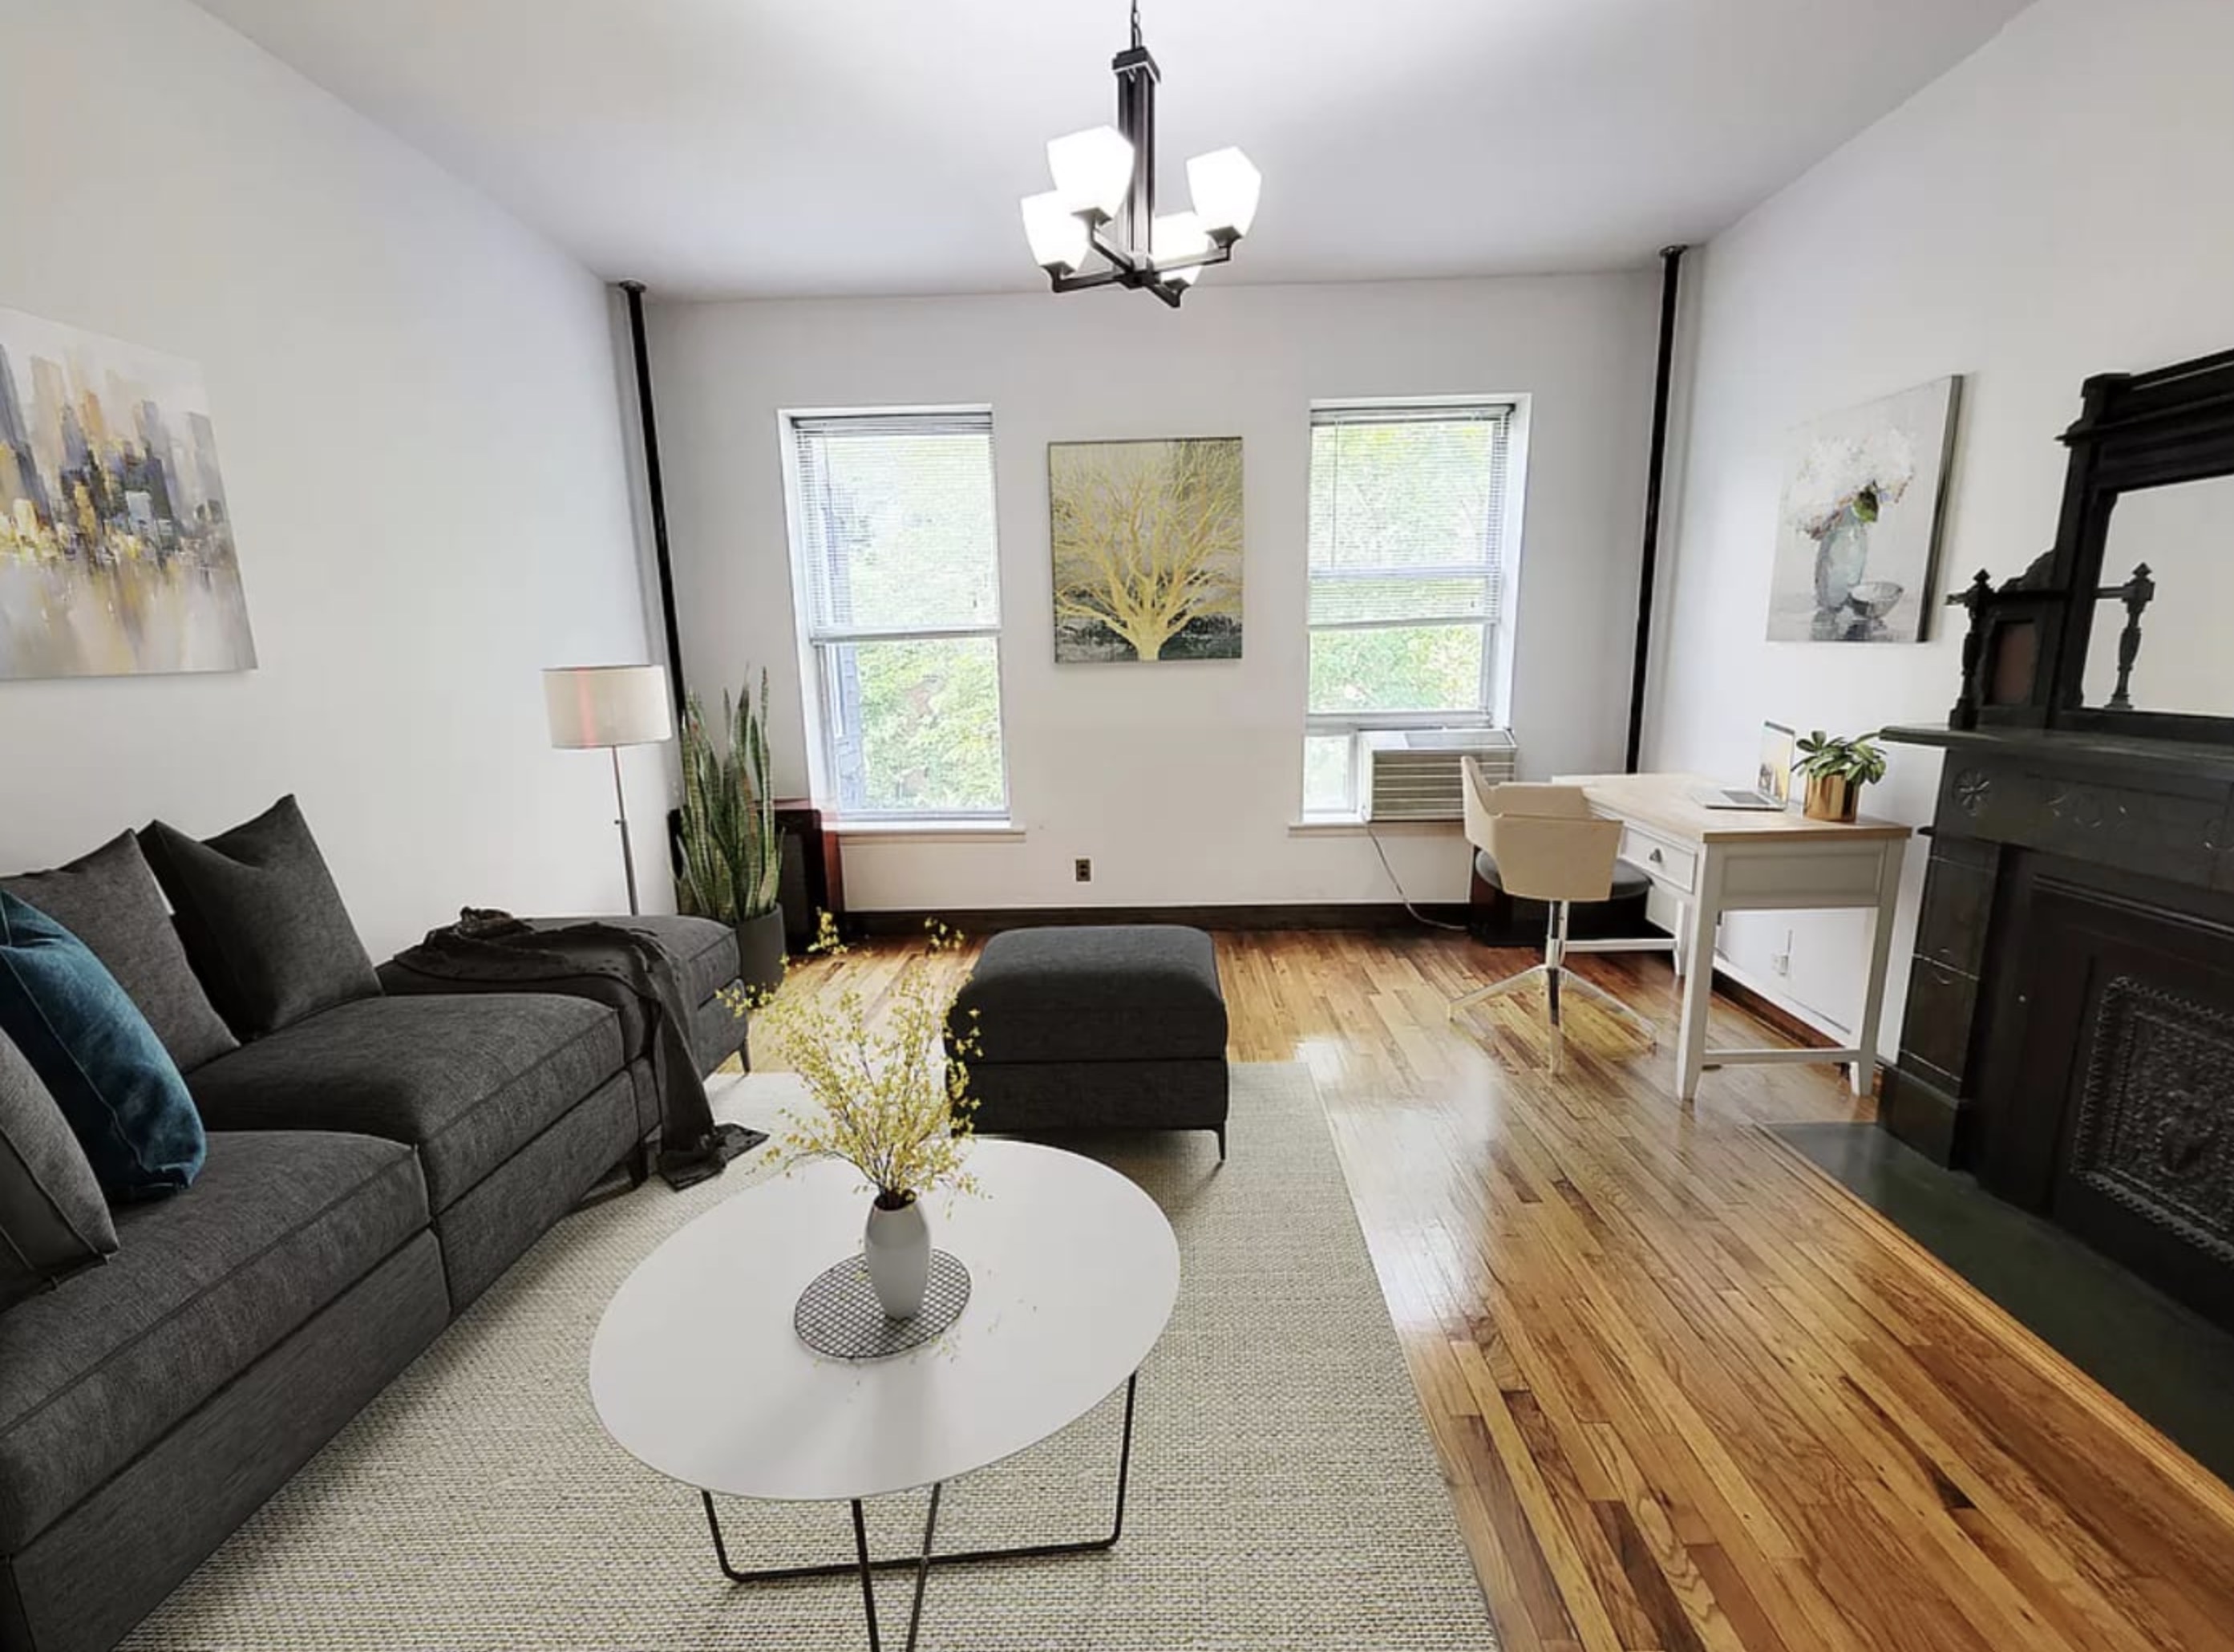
{"x": 897, "y": 522}
{"x": 899, "y": 594}
{"x": 1407, "y": 559}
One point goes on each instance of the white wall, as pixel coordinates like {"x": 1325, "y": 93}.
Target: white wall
{"x": 2056, "y": 205}
{"x": 414, "y": 401}
{"x": 1179, "y": 780}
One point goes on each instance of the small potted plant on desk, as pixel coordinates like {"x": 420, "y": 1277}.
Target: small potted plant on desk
{"x": 730, "y": 856}
{"x": 1836, "y": 769}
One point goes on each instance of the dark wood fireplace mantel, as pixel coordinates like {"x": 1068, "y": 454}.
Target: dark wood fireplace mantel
{"x": 2165, "y": 808}
{"x": 2104, "y": 756}
{"x": 2069, "y": 1033}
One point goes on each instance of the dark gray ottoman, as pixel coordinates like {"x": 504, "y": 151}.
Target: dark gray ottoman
{"x": 1118, "y": 1026}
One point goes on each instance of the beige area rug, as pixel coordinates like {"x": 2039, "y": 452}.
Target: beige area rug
{"x": 1284, "y": 1491}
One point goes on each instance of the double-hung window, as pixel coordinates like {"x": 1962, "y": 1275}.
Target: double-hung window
{"x": 1410, "y": 533}
{"x": 897, "y": 583}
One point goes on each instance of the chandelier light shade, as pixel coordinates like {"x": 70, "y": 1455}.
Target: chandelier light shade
{"x": 1104, "y": 199}
{"x": 1224, "y": 187}
{"x": 1178, "y": 242}
{"x": 1091, "y": 171}
{"x": 1059, "y": 236}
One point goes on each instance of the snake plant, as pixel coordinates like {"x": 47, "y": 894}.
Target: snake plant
{"x": 729, "y": 857}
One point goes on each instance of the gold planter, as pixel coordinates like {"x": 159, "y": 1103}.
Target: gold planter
{"x": 1833, "y": 797}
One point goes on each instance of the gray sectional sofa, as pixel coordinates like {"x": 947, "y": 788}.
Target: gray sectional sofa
{"x": 371, "y": 1170}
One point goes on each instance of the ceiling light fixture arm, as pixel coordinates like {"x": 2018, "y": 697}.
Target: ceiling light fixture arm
{"x": 1137, "y": 76}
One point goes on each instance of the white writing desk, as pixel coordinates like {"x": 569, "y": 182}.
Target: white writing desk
{"x": 1720, "y": 860}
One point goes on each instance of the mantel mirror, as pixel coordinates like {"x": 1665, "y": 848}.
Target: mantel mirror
{"x": 2125, "y": 626}
{"x": 2160, "y": 639}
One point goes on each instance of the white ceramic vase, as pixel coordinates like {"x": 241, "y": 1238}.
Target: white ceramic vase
{"x": 896, "y": 1247}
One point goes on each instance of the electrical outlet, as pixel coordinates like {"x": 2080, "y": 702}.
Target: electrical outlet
{"x": 1781, "y": 962}
{"x": 1082, "y": 869}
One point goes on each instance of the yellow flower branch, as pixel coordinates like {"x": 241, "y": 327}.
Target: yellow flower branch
{"x": 888, "y": 1098}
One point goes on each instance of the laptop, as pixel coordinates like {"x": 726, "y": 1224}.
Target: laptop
{"x": 1772, "y": 785}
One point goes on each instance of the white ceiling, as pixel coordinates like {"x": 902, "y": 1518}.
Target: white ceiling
{"x": 749, "y": 147}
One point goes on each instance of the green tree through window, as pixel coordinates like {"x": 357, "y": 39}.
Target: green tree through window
{"x": 894, "y": 533}
{"x": 1408, "y": 574}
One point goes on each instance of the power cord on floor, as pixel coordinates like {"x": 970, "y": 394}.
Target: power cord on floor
{"x": 1397, "y": 884}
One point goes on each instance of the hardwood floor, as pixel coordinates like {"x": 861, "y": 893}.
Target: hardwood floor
{"x": 1688, "y": 1393}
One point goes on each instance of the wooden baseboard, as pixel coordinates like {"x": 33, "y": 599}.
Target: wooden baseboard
{"x": 1307, "y": 915}
{"x": 1322, "y": 915}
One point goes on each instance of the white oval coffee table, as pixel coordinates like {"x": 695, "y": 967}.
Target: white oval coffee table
{"x": 697, "y": 1373}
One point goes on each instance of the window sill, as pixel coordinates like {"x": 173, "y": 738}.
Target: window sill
{"x": 1351, "y": 826}
{"x": 1377, "y": 723}
{"x": 927, "y": 831}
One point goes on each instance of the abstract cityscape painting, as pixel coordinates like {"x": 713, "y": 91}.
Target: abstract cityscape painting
{"x": 116, "y": 551}
{"x": 1147, "y": 549}
{"x": 1862, "y": 494}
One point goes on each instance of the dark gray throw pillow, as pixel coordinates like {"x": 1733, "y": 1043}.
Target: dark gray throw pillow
{"x": 109, "y": 900}
{"x": 53, "y": 1219}
{"x": 262, "y": 920}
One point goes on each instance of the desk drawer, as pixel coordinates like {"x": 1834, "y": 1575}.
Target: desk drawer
{"x": 1669, "y": 863}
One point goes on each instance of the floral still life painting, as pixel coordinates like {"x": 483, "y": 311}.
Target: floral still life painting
{"x": 1864, "y": 492}
{"x": 116, "y": 551}
{"x": 1147, "y": 549}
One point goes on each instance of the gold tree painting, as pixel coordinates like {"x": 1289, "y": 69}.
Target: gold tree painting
{"x": 1147, "y": 549}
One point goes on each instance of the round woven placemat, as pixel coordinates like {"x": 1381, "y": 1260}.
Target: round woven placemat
{"x": 839, "y": 1314}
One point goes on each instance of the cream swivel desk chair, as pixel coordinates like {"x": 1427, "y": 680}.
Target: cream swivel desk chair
{"x": 1546, "y": 846}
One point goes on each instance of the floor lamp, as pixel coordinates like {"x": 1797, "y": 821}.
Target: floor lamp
{"x": 611, "y": 706}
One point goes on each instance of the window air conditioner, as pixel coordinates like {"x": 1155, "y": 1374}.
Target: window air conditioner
{"x": 1413, "y": 773}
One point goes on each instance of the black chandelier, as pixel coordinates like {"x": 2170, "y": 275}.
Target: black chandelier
{"x": 1104, "y": 199}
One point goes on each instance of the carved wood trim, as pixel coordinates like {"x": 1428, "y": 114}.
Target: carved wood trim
{"x": 2155, "y": 1126}
{"x": 2174, "y": 835}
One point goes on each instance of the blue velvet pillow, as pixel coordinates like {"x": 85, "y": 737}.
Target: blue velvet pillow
{"x": 99, "y": 1058}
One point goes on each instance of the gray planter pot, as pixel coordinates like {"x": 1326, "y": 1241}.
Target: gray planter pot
{"x": 760, "y": 951}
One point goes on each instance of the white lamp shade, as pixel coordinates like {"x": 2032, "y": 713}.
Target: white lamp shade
{"x": 1179, "y": 235}
{"x": 1058, "y": 235}
{"x": 608, "y": 705}
{"x": 1224, "y": 187}
{"x": 1092, "y": 169}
